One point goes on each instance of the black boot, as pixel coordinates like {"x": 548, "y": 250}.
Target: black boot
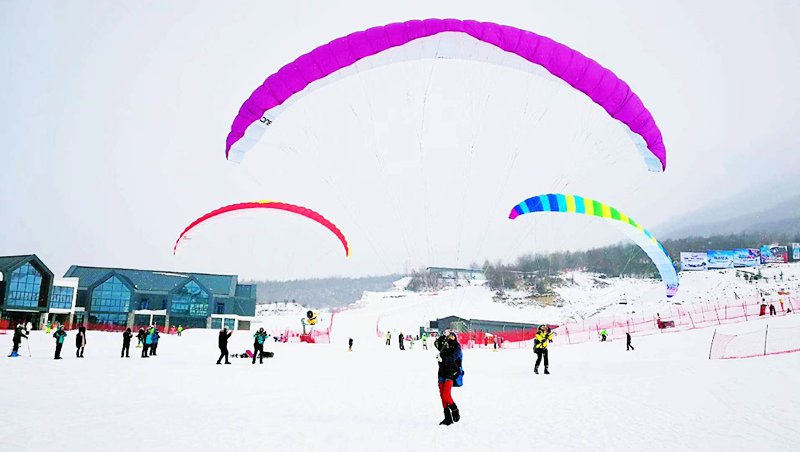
{"x": 455, "y": 413}
{"x": 536, "y": 370}
{"x": 448, "y": 418}
{"x": 546, "y": 372}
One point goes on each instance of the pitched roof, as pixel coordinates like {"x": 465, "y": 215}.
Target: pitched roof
{"x": 7, "y": 262}
{"x": 154, "y": 280}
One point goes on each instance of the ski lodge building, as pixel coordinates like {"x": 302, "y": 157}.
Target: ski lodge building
{"x": 29, "y": 292}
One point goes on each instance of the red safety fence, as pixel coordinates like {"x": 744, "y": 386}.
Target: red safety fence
{"x": 672, "y": 318}
{"x": 770, "y": 341}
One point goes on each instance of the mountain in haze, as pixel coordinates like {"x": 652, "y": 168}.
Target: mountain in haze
{"x": 322, "y": 292}
{"x": 782, "y": 218}
{"x": 769, "y": 209}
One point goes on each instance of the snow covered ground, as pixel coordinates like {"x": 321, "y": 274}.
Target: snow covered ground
{"x": 665, "y": 395}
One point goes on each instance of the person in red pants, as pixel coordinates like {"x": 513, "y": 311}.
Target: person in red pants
{"x": 449, "y": 358}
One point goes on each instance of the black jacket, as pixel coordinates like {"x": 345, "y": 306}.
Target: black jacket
{"x": 18, "y": 335}
{"x": 80, "y": 339}
{"x": 450, "y": 353}
{"x": 141, "y": 334}
{"x": 126, "y": 337}
{"x": 223, "y": 339}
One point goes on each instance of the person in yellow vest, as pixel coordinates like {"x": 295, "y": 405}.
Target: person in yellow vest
{"x": 543, "y": 337}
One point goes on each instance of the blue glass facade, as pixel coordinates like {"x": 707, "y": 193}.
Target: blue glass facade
{"x": 61, "y": 297}
{"x": 24, "y": 287}
{"x": 190, "y": 300}
{"x": 112, "y": 296}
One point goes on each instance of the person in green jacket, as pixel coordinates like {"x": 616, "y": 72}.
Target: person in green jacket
{"x": 60, "y": 335}
{"x": 603, "y": 335}
{"x": 180, "y": 330}
{"x": 258, "y": 344}
{"x": 424, "y": 341}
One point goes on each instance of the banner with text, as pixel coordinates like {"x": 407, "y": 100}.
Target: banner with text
{"x": 720, "y": 259}
{"x": 774, "y": 254}
{"x": 694, "y": 261}
{"x": 746, "y": 257}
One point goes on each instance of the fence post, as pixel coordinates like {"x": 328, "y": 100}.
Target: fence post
{"x": 766, "y": 330}
{"x": 717, "y": 313}
{"x": 711, "y": 347}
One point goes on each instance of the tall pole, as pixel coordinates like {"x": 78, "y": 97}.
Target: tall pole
{"x": 711, "y": 347}
{"x": 766, "y": 331}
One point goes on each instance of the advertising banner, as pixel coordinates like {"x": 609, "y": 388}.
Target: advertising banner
{"x": 694, "y": 261}
{"x": 796, "y": 251}
{"x": 720, "y": 259}
{"x": 746, "y": 257}
{"x": 774, "y": 254}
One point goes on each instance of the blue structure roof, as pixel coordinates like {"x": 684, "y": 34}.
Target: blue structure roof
{"x": 154, "y": 280}
{"x": 7, "y": 262}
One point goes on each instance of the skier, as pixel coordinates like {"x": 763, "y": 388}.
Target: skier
{"x": 388, "y": 338}
{"x": 772, "y": 310}
{"x": 59, "y": 335}
{"x": 424, "y": 341}
{"x": 400, "y": 339}
{"x": 411, "y": 342}
{"x": 48, "y": 327}
{"x": 603, "y": 335}
{"x": 449, "y": 358}
{"x": 543, "y": 337}
{"x": 16, "y": 340}
{"x": 628, "y": 340}
{"x": 350, "y": 345}
{"x": 155, "y": 337}
{"x": 80, "y": 342}
{"x": 126, "y": 344}
{"x": 224, "y": 335}
{"x": 180, "y": 330}
{"x": 258, "y": 344}
{"x": 140, "y": 337}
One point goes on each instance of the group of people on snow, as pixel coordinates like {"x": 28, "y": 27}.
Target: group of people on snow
{"x": 148, "y": 341}
{"x": 259, "y": 339}
{"x": 402, "y": 339}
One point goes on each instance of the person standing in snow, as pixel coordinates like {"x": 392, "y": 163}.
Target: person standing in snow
{"x": 772, "y": 310}
{"x": 258, "y": 345}
{"x": 603, "y": 335}
{"x": 424, "y": 341}
{"x": 224, "y": 335}
{"x": 628, "y": 341}
{"x": 400, "y": 339}
{"x": 140, "y": 337}
{"x": 388, "y": 338}
{"x": 80, "y": 342}
{"x": 543, "y": 337}
{"x": 48, "y": 327}
{"x": 180, "y": 330}
{"x": 449, "y": 358}
{"x": 60, "y": 336}
{"x": 350, "y": 345}
{"x": 28, "y": 327}
{"x": 156, "y": 336}
{"x": 16, "y": 340}
{"x": 148, "y": 342}
{"x": 126, "y": 344}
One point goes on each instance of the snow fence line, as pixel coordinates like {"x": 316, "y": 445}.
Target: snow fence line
{"x": 673, "y": 318}
{"x": 771, "y": 341}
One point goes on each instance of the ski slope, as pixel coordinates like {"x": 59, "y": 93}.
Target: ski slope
{"x": 665, "y": 395}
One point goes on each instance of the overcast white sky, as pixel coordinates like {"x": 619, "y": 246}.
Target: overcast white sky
{"x": 114, "y": 115}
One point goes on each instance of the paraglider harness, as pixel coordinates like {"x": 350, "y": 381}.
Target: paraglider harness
{"x": 442, "y": 344}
